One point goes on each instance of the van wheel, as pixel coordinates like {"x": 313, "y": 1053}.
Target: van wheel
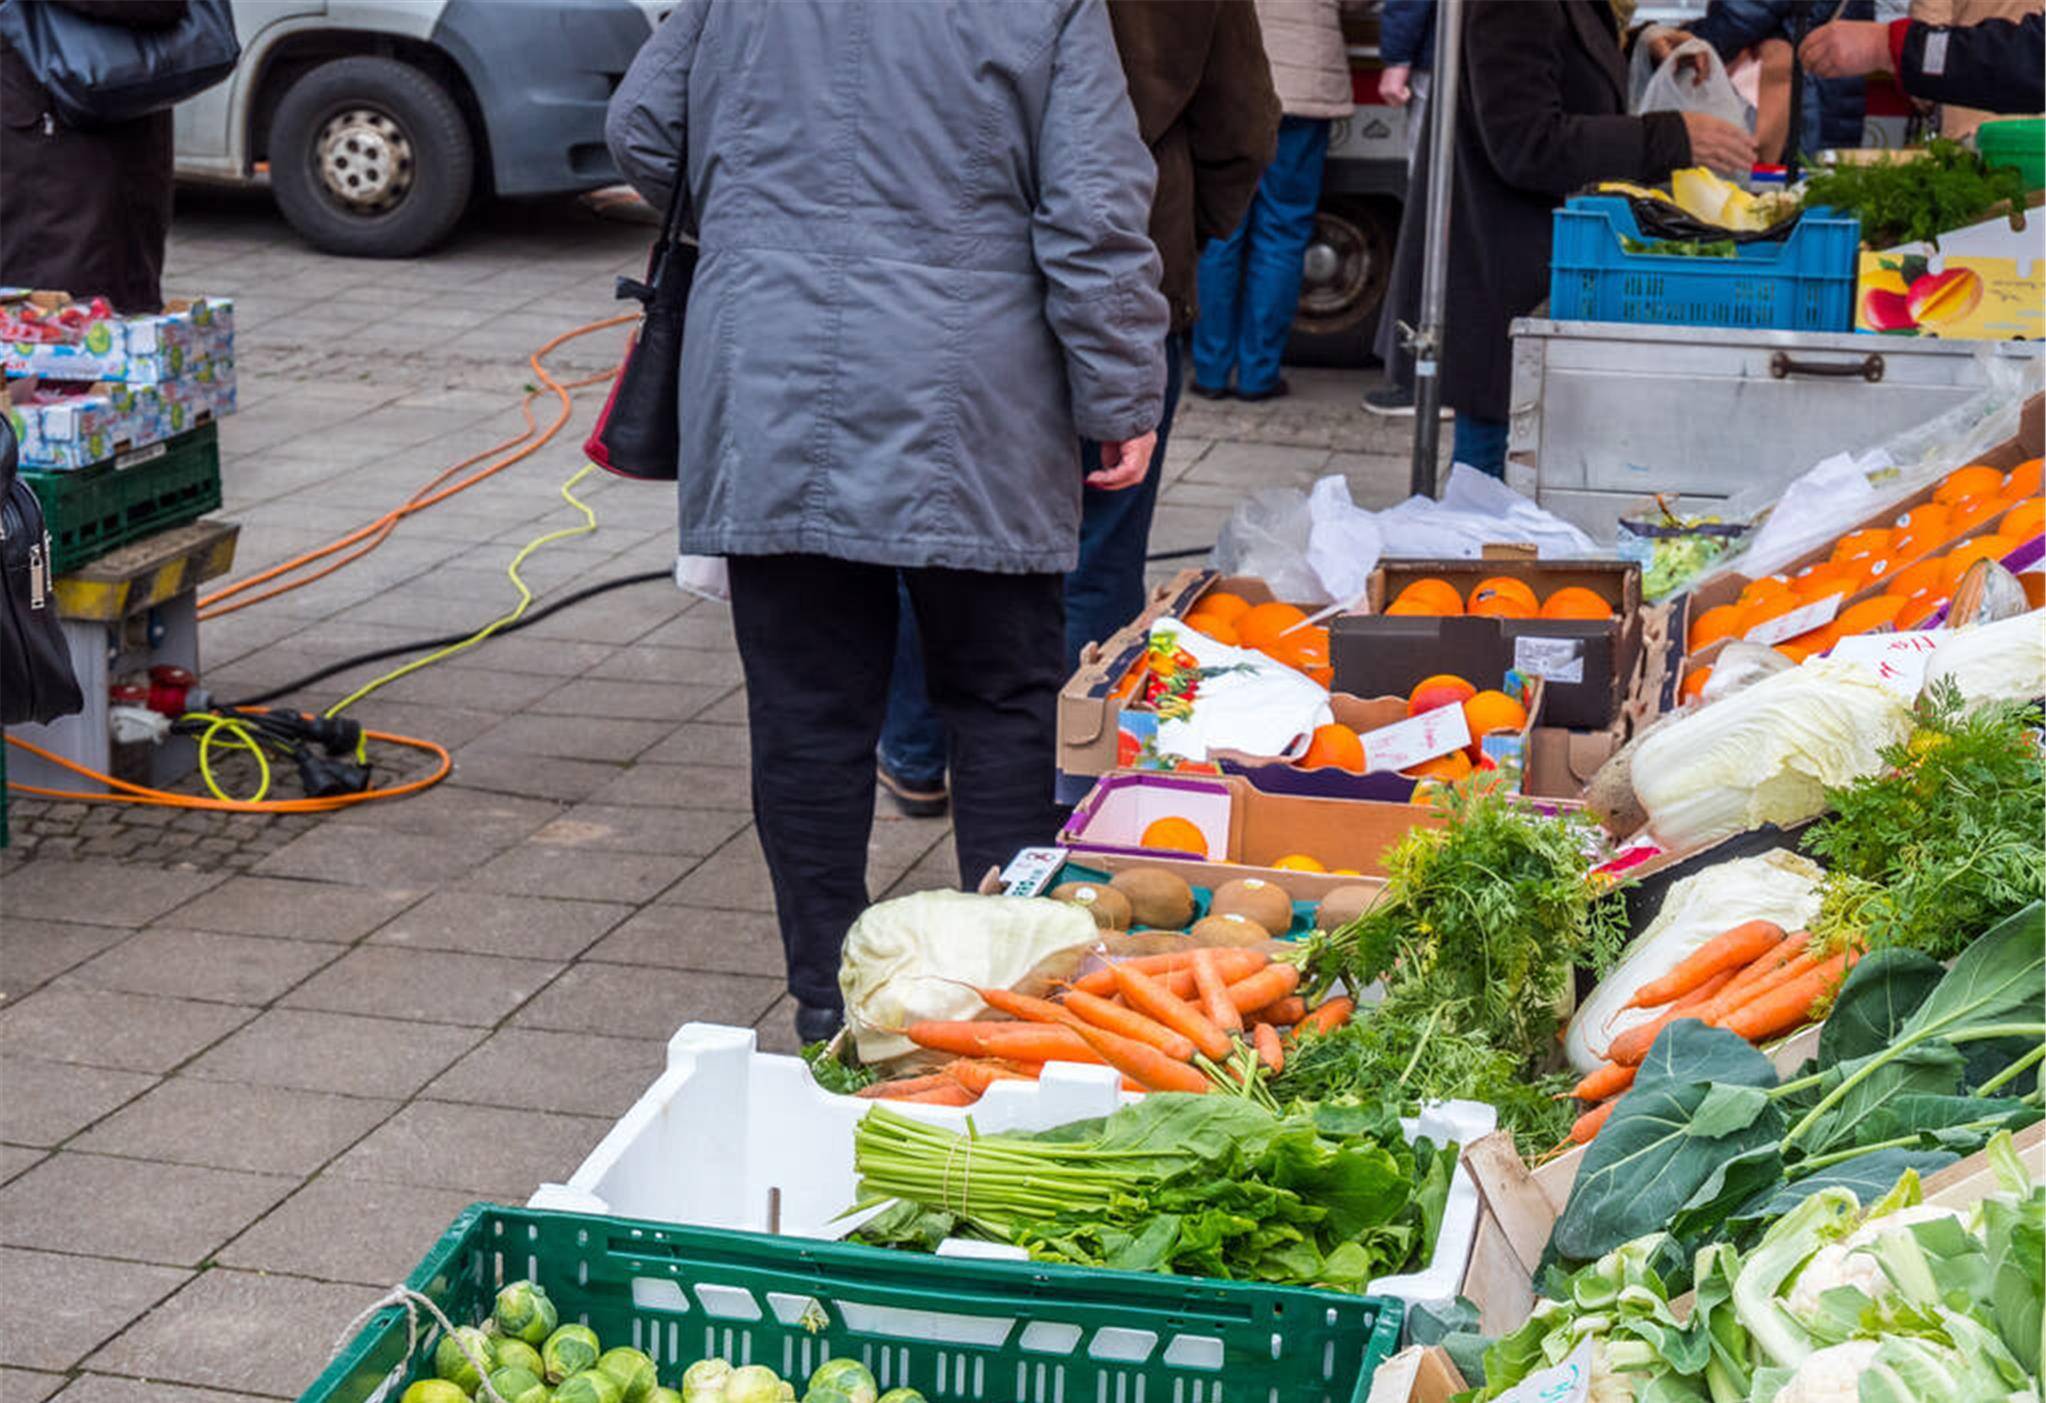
{"x": 370, "y": 157}
{"x": 1348, "y": 264}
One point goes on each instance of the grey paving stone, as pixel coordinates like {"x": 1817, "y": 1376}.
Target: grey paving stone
{"x": 650, "y": 701}
{"x": 689, "y": 937}
{"x": 388, "y": 857}
{"x": 144, "y": 1210}
{"x": 238, "y": 1330}
{"x": 572, "y": 737}
{"x": 734, "y": 878}
{"x": 575, "y": 1073}
{"x": 348, "y": 1230}
{"x": 704, "y": 785}
{"x": 493, "y": 923}
{"x": 543, "y": 869}
{"x": 449, "y": 810}
{"x": 545, "y": 657}
{"x": 1243, "y": 465}
{"x": 641, "y": 1002}
{"x": 235, "y": 969}
{"x": 27, "y": 1385}
{"x": 33, "y": 952}
{"x": 712, "y": 630}
{"x": 48, "y": 1102}
{"x": 776, "y": 1030}
{"x": 108, "y": 1388}
{"x": 697, "y": 667}
{"x": 60, "y": 1306}
{"x": 482, "y": 1150}
{"x": 300, "y": 910}
{"x": 451, "y": 684}
{"x": 729, "y": 712}
{"x": 15, "y": 1158}
{"x": 545, "y": 776}
{"x": 233, "y": 1125}
{"x": 96, "y": 893}
{"x": 643, "y": 829}
{"x": 109, "y": 1029}
{"x": 433, "y": 986}
{"x": 338, "y": 1052}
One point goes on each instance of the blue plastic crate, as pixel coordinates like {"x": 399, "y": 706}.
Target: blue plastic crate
{"x": 1803, "y": 283}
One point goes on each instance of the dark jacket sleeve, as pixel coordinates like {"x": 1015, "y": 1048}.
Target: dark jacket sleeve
{"x": 1732, "y": 25}
{"x": 1993, "y": 64}
{"x": 1513, "y": 56}
{"x": 1232, "y": 123}
{"x": 1406, "y": 33}
{"x": 133, "y": 14}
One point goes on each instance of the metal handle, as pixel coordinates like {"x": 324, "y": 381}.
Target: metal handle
{"x": 1783, "y": 365}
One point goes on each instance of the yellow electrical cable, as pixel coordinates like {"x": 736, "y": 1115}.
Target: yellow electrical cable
{"x": 243, "y": 736}
{"x": 525, "y": 599}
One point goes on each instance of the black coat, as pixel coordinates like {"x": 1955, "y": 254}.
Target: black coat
{"x": 1993, "y": 64}
{"x": 1541, "y": 112}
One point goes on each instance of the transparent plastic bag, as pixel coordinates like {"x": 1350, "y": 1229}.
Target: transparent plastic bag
{"x": 1676, "y": 87}
{"x": 1315, "y": 547}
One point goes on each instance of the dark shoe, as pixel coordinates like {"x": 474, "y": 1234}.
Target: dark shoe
{"x": 1392, "y": 402}
{"x": 816, "y": 1024}
{"x": 915, "y": 799}
{"x": 1195, "y": 387}
{"x": 1279, "y": 390}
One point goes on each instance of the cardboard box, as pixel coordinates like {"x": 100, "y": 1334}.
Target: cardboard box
{"x": 74, "y": 426}
{"x": 190, "y": 333}
{"x": 1417, "y": 1374}
{"x": 1985, "y": 282}
{"x": 1585, "y": 663}
{"x": 1561, "y": 762}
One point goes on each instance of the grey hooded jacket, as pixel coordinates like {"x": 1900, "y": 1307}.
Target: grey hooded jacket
{"x": 924, "y": 271}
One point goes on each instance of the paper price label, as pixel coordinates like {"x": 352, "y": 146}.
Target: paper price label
{"x": 1561, "y": 660}
{"x": 1030, "y": 871}
{"x": 1568, "y": 1382}
{"x": 1897, "y": 659}
{"x": 1816, "y": 614}
{"x": 1405, "y": 744}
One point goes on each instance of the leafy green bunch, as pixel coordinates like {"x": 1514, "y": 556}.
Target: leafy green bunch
{"x": 1915, "y": 200}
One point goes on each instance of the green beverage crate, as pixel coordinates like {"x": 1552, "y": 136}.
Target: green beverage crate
{"x": 960, "y": 1330}
{"x": 92, "y": 510}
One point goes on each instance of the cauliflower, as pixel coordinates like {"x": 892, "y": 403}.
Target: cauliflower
{"x": 1831, "y": 1375}
{"x": 1851, "y": 1262}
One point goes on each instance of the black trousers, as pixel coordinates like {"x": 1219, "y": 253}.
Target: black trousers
{"x": 817, "y": 639}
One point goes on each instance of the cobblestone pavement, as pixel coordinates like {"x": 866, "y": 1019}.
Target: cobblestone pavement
{"x": 250, "y": 1067}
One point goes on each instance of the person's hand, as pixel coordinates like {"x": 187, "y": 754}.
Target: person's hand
{"x": 1124, "y": 464}
{"x": 1393, "y": 84}
{"x": 1847, "y": 48}
{"x": 1663, "y": 41}
{"x": 1719, "y": 144}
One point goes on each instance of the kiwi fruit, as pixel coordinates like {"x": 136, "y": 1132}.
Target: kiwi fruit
{"x": 1228, "y": 930}
{"x": 1157, "y": 897}
{"x": 1109, "y": 907}
{"x": 1344, "y": 905}
{"x": 1254, "y": 899}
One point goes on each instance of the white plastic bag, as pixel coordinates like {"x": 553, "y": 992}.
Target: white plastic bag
{"x": 1477, "y": 510}
{"x": 1676, "y": 86}
{"x": 705, "y": 576}
{"x": 1314, "y": 547}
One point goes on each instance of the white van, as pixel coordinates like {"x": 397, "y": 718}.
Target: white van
{"x": 376, "y": 121}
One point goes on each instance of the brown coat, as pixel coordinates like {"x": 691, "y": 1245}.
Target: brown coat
{"x": 84, "y": 212}
{"x": 1206, "y": 108}
{"x": 1310, "y": 63}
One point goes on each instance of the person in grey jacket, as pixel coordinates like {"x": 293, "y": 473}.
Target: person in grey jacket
{"x": 924, "y": 270}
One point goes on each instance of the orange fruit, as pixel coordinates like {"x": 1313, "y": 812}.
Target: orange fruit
{"x": 1768, "y": 587}
{"x": 1504, "y": 585}
{"x": 1914, "y": 579}
{"x": 1499, "y": 605}
{"x": 1402, "y": 608}
{"x": 1451, "y": 767}
{"x": 1793, "y": 652}
{"x": 1926, "y": 521}
{"x": 1869, "y": 616}
{"x": 1260, "y": 625}
{"x": 1298, "y": 862}
{"x": 1223, "y": 605}
{"x": 1720, "y": 621}
{"x": 1438, "y": 594}
{"x": 1971, "y": 512}
{"x": 1575, "y": 602}
{"x": 1818, "y": 640}
{"x": 2024, "y": 521}
{"x": 1990, "y": 547}
{"x": 1844, "y": 583}
{"x": 1334, "y": 747}
{"x": 1874, "y": 569}
{"x": 1211, "y": 626}
{"x": 1303, "y": 648}
{"x": 1491, "y": 711}
{"x": 1175, "y": 834}
{"x": 1912, "y": 547}
{"x": 1807, "y": 580}
{"x": 1763, "y": 610}
{"x": 1694, "y": 682}
{"x": 2024, "y": 480}
{"x": 1918, "y": 609}
{"x": 1975, "y": 480}
{"x": 1443, "y": 689}
{"x": 1867, "y": 542}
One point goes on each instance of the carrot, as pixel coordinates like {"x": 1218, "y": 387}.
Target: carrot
{"x": 1591, "y": 1122}
{"x": 1023, "y": 1042}
{"x": 1147, "y": 1065}
{"x": 1609, "y": 1080}
{"x": 950, "y": 1094}
{"x": 1131, "y": 1024}
{"x": 1785, "y": 1006}
{"x": 1734, "y": 995}
{"x": 1265, "y": 988}
{"x": 1286, "y": 1012}
{"x": 978, "y": 1074}
{"x": 1328, "y": 1015}
{"x": 1214, "y": 993}
{"x": 1234, "y": 962}
{"x": 1022, "y": 1005}
{"x": 1633, "y": 1044}
{"x": 902, "y": 1086}
{"x": 1102, "y": 981}
{"x": 1730, "y": 950}
{"x": 1268, "y": 1050}
{"x": 1148, "y": 996}
{"x": 1771, "y": 961}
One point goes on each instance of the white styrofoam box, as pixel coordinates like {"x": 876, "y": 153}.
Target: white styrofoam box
{"x": 726, "y": 1130}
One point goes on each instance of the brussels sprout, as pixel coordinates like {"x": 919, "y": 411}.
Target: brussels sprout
{"x": 515, "y": 1385}
{"x": 705, "y": 1380}
{"x": 451, "y": 1362}
{"x": 433, "y": 1391}
{"x": 788, "y": 1392}
{"x": 523, "y": 1312}
{"x": 633, "y": 1371}
{"x": 849, "y": 1377}
{"x": 589, "y": 1386}
{"x": 569, "y": 1350}
{"x": 756, "y": 1383}
{"x": 902, "y": 1395}
{"x": 517, "y": 1354}
{"x": 664, "y": 1395}
{"x": 827, "y": 1394}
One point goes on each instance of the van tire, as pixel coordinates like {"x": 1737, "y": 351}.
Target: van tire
{"x": 371, "y": 158}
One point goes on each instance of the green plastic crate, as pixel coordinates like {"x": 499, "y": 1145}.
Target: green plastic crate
{"x": 2015, "y": 141}
{"x": 960, "y": 1330}
{"x": 90, "y": 511}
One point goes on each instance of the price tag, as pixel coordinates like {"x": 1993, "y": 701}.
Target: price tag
{"x": 1030, "y": 871}
{"x": 1561, "y": 660}
{"x": 1568, "y": 1382}
{"x": 1816, "y": 614}
{"x": 1405, "y": 744}
{"x": 1897, "y": 659}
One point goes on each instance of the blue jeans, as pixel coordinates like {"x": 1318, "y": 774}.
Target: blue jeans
{"x": 1250, "y": 280}
{"x": 1480, "y": 443}
{"x": 1103, "y": 592}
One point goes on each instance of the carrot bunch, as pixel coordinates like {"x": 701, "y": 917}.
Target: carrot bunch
{"x": 1753, "y": 980}
{"x": 1190, "y": 1020}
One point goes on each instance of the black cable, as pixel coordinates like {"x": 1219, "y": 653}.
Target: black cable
{"x": 399, "y": 650}
{"x": 1187, "y": 554}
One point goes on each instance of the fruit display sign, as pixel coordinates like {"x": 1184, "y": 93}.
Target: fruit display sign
{"x": 1983, "y": 283}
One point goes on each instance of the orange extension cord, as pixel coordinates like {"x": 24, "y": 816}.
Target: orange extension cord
{"x": 369, "y": 537}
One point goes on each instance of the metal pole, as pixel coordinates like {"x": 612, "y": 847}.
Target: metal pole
{"x": 1426, "y": 341}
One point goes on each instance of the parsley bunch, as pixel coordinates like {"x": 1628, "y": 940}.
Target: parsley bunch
{"x": 1909, "y": 201}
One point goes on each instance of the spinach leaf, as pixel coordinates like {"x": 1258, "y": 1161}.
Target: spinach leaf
{"x": 1930, "y": 1068}
{"x": 1870, "y": 1176}
{"x": 907, "y": 1224}
{"x": 1882, "y": 992}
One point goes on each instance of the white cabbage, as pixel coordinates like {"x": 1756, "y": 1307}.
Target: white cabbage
{"x": 2003, "y": 661}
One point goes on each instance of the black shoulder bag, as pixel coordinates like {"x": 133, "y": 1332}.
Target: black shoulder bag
{"x": 639, "y": 431}
{"x": 36, "y": 681}
{"x": 99, "y": 73}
